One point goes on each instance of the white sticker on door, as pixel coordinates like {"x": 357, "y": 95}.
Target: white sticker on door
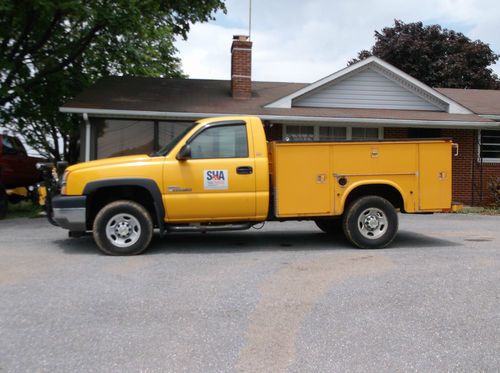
{"x": 215, "y": 179}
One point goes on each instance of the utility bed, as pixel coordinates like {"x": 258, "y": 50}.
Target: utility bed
{"x": 315, "y": 178}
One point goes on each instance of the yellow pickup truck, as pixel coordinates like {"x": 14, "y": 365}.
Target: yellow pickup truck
{"x": 222, "y": 174}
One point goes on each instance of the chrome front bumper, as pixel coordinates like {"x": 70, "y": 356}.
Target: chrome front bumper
{"x": 70, "y": 212}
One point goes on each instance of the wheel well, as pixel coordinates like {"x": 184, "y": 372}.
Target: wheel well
{"x": 381, "y": 190}
{"x": 102, "y": 196}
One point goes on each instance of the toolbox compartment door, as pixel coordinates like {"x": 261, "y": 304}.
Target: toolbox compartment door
{"x": 435, "y": 175}
{"x": 302, "y": 181}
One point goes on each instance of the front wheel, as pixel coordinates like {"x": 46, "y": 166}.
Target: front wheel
{"x": 371, "y": 222}
{"x": 123, "y": 228}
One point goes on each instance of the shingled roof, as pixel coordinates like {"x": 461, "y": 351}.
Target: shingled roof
{"x": 480, "y": 101}
{"x": 212, "y": 97}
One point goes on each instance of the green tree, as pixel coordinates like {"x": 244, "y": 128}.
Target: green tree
{"x": 435, "y": 56}
{"x": 50, "y": 50}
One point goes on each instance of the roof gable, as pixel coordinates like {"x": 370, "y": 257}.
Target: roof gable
{"x": 370, "y": 84}
{"x": 368, "y": 89}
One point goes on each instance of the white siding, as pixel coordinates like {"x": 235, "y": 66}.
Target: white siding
{"x": 367, "y": 89}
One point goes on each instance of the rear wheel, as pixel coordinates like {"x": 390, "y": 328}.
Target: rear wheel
{"x": 123, "y": 228}
{"x": 331, "y": 226}
{"x": 371, "y": 222}
{"x": 3, "y": 202}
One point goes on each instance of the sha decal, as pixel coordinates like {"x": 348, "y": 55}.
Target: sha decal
{"x": 215, "y": 179}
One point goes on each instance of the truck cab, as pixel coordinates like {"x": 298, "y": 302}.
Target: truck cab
{"x": 219, "y": 173}
{"x": 17, "y": 169}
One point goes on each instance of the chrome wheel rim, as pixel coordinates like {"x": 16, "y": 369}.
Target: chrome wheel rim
{"x": 123, "y": 230}
{"x": 372, "y": 223}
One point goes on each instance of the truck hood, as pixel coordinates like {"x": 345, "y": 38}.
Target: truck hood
{"x": 109, "y": 162}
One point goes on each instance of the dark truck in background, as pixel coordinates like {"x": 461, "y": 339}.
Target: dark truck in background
{"x": 17, "y": 168}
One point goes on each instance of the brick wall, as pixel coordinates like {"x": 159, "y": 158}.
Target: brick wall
{"x": 463, "y": 165}
{"x": 471, "y": 177}
{"x": 395, "y": 133}
{"x": 489, "y": 170}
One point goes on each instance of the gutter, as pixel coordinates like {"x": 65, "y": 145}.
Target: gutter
{"x": 376, "y": 122}
{"x": 491, "y": 116}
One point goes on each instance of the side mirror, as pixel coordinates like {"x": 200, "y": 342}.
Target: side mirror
{"x": 184, "y": 153}
{"x": 61, "y": 167}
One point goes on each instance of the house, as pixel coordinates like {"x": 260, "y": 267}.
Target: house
{"x": 368, "y": 100}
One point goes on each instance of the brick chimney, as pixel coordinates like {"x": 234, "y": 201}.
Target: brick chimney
{"x": 241, "y": 67}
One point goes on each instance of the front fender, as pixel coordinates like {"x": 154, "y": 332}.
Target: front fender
{"x": 148, "y": 184}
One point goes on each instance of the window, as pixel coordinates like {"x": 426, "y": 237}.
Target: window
{"x": 225, "y": 141}
{"x": 8, "y": 146}
{"x": 489, "y": 145}
{"x": 19, "y": 145}
{"x": 364, "y": 133}
{"x": 167, "y": 131}
{"x": 293, "y": 132}
{"x": 167, "y": 148}
{"x": 116, "y": 137}
{"x": 332, "y": 133}
{"x": 299, "y": 133}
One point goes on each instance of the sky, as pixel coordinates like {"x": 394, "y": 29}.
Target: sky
{"x": 303, "y": 41}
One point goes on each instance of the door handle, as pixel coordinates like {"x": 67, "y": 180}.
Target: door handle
{"x": 244, "y": 170}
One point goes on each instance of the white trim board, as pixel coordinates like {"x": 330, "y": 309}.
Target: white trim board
{"x": 490, "y": 116}
{"x": 312, "y": 119}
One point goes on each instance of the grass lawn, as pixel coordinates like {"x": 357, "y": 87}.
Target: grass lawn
{"x": 480, "y": 210}
{"x": 24, "y": 209}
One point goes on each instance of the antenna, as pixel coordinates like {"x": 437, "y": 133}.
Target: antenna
{"x": 249, "y": 19}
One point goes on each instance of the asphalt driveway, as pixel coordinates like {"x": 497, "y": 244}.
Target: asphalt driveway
{"x": 284, "y": 298}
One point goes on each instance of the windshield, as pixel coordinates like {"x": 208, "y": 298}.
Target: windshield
{"x": 168, "y": 147}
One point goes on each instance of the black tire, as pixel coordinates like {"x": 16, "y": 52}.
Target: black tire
{"x": 332, "y": 226}
{"x": 123, "y": 228}
{"x": 370, "y": 222}
{"x": 3, "y": 202}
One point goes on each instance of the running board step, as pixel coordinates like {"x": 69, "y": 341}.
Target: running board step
{"x": 209, "y": 228}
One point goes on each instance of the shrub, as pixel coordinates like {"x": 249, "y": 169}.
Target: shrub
{"x": 494, "y": 187}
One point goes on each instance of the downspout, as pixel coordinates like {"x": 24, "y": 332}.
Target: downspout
{"x": 475, "y": 153}
{"x": 481, "y": 177}
{"x": 87, "y": 136}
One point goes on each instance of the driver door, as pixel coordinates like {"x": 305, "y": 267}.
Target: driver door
{"x": 217, "y": 180}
